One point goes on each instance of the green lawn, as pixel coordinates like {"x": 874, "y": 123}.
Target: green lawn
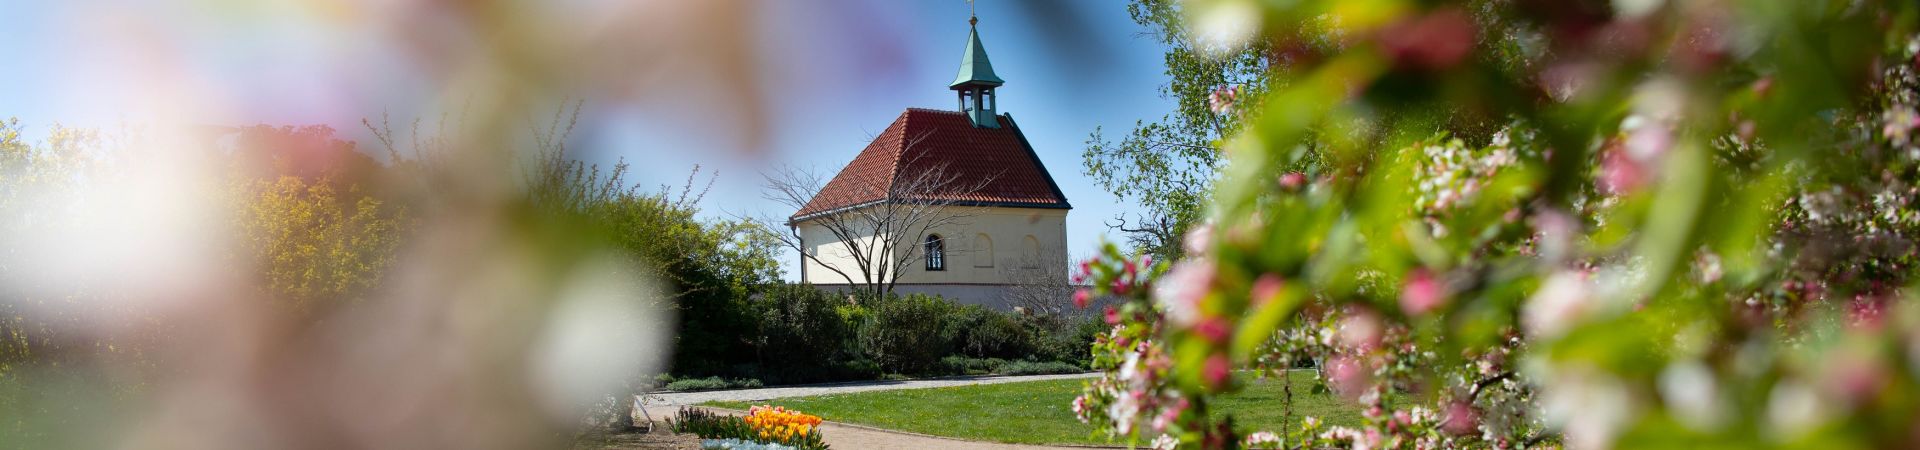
{"x": 1039, "y": 412}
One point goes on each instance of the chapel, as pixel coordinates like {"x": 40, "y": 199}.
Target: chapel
{"x": 1008, "y": 218}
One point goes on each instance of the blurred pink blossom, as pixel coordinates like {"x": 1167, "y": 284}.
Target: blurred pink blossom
{"x": 1421, "y": 294}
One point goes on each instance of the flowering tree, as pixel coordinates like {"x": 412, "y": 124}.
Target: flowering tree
{"x": 1526, "y": 224}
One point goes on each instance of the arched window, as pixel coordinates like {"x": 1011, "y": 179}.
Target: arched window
{"x": 936, "y": 253}
{"x": 1030, "y": 253}
{"x": 982, "y": 251}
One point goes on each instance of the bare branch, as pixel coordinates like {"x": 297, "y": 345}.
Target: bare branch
{"x": 875, "y": 221}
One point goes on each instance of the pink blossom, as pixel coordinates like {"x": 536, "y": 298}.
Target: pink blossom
{"x": 1214, "y": 329}
{"x": 1361, "y": 330}
{"x": 1374, "y": 439}
{"x": 1198, "y": 240}
{"x": 1461, "y": 419}
{"x": 1899, "y": 123}
{"x": 1217, "y": 371}
{"x": 1560, "y": 303}
{"x": 1223, "y": 99}
{"x": 1347, "y": 376}
{"x": 1113, "y": 315}
{"x": 1436, "y": 41}
{"x": 1564, "y": 81}
{"x": 1855, "y": 378}
{"x": 1421, "y": 294}
{"x": 1081, "y": 297}
{"x": 1262, "y": 440}
{"x": 1648, "y": 143}
{"x": 1170, "y": 415}
{"x": 1265, "y": 289}
{"x": 1182, "y": 289}
{"x": 1763, "y": 86}
{"x": 1292, "y": 181}
{"x": 1164, "y": 442}
{"x": 1620, "y": 174}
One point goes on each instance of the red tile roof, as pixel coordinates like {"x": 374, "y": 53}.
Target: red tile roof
{"x": 922, "y": 139}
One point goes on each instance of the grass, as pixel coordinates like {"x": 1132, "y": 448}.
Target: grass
{"x": 1038, "y": 412}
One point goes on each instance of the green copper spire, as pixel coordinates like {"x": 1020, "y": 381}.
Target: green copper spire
{"x": 976, "y": 81}
{"x": 974, "y": 67}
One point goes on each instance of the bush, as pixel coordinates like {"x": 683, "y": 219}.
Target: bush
{"x": 708, "y": 425}
{"x": 804, "y": 336}
{"x": 1070, "y": 344}
{"x": 797, "y": 333}
{"x": 982, "y": 333}
{"x": 1039, "y": 368}
{"x": 962, "y": 365}
{"x": 712, "y": 384}
{"x": 908, "y": 334}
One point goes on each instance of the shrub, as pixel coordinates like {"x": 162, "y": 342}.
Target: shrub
{"x": 980, "y": 332}
{"x": 803, "y": 334}
{"x": 907, "y": 334}
{"x": 1039, "y": 368}
{"x": 962, "y": 365}
{"x": 700, "y": 422}
{"x": 712, "y": 384}
{"x": 1071, "y": 343}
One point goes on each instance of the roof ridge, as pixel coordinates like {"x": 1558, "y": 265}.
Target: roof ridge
{"x": 934, "y": 110}
{"x": 899, "y": 152}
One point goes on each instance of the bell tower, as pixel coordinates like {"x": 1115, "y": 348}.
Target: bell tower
{"x": 976, "y": 81}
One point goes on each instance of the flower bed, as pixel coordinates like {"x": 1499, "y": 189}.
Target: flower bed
{"x": 764, "y": 427}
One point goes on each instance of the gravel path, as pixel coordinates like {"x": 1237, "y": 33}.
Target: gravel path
{"x": 747, "y": 395}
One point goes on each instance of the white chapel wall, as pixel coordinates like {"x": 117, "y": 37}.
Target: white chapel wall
{"x": 1020, "y": 238}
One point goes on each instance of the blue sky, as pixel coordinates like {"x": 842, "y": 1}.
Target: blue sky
{"x": 834, "y": 74}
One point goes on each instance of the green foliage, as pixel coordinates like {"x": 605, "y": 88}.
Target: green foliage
{"x": 1169, "y": 166}
{"x": 1069, "y": 344}
{"x": 908, "y": 334}
{"x": 1024, "y": 367}
{"x": 962, "y": 365}
{"x": 804, "y": 335}
{"x": 1685, "y": 234}
{"x": 311, "y": 245}
{"x": 706, "y": 424}
{"x": 712, "y": 384}
{"x": 712, "y": 267}
{"x": 977, "y": 331}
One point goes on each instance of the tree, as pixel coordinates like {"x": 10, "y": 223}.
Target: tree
{"x": 313, "y": 246}
{"x": 876, "y": 221}
{"x": 1169, "y": 166}
{"x": 1041, "y": 289}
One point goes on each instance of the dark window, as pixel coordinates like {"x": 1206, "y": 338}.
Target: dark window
{"x": 936, "y": 253}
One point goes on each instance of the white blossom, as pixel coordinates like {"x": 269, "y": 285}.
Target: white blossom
{"x": 1690, "y": 392}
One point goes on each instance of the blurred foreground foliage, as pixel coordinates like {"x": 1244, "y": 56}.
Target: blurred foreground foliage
{"x": 1516, "y": 224}
{"x": 315, "y": 226}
